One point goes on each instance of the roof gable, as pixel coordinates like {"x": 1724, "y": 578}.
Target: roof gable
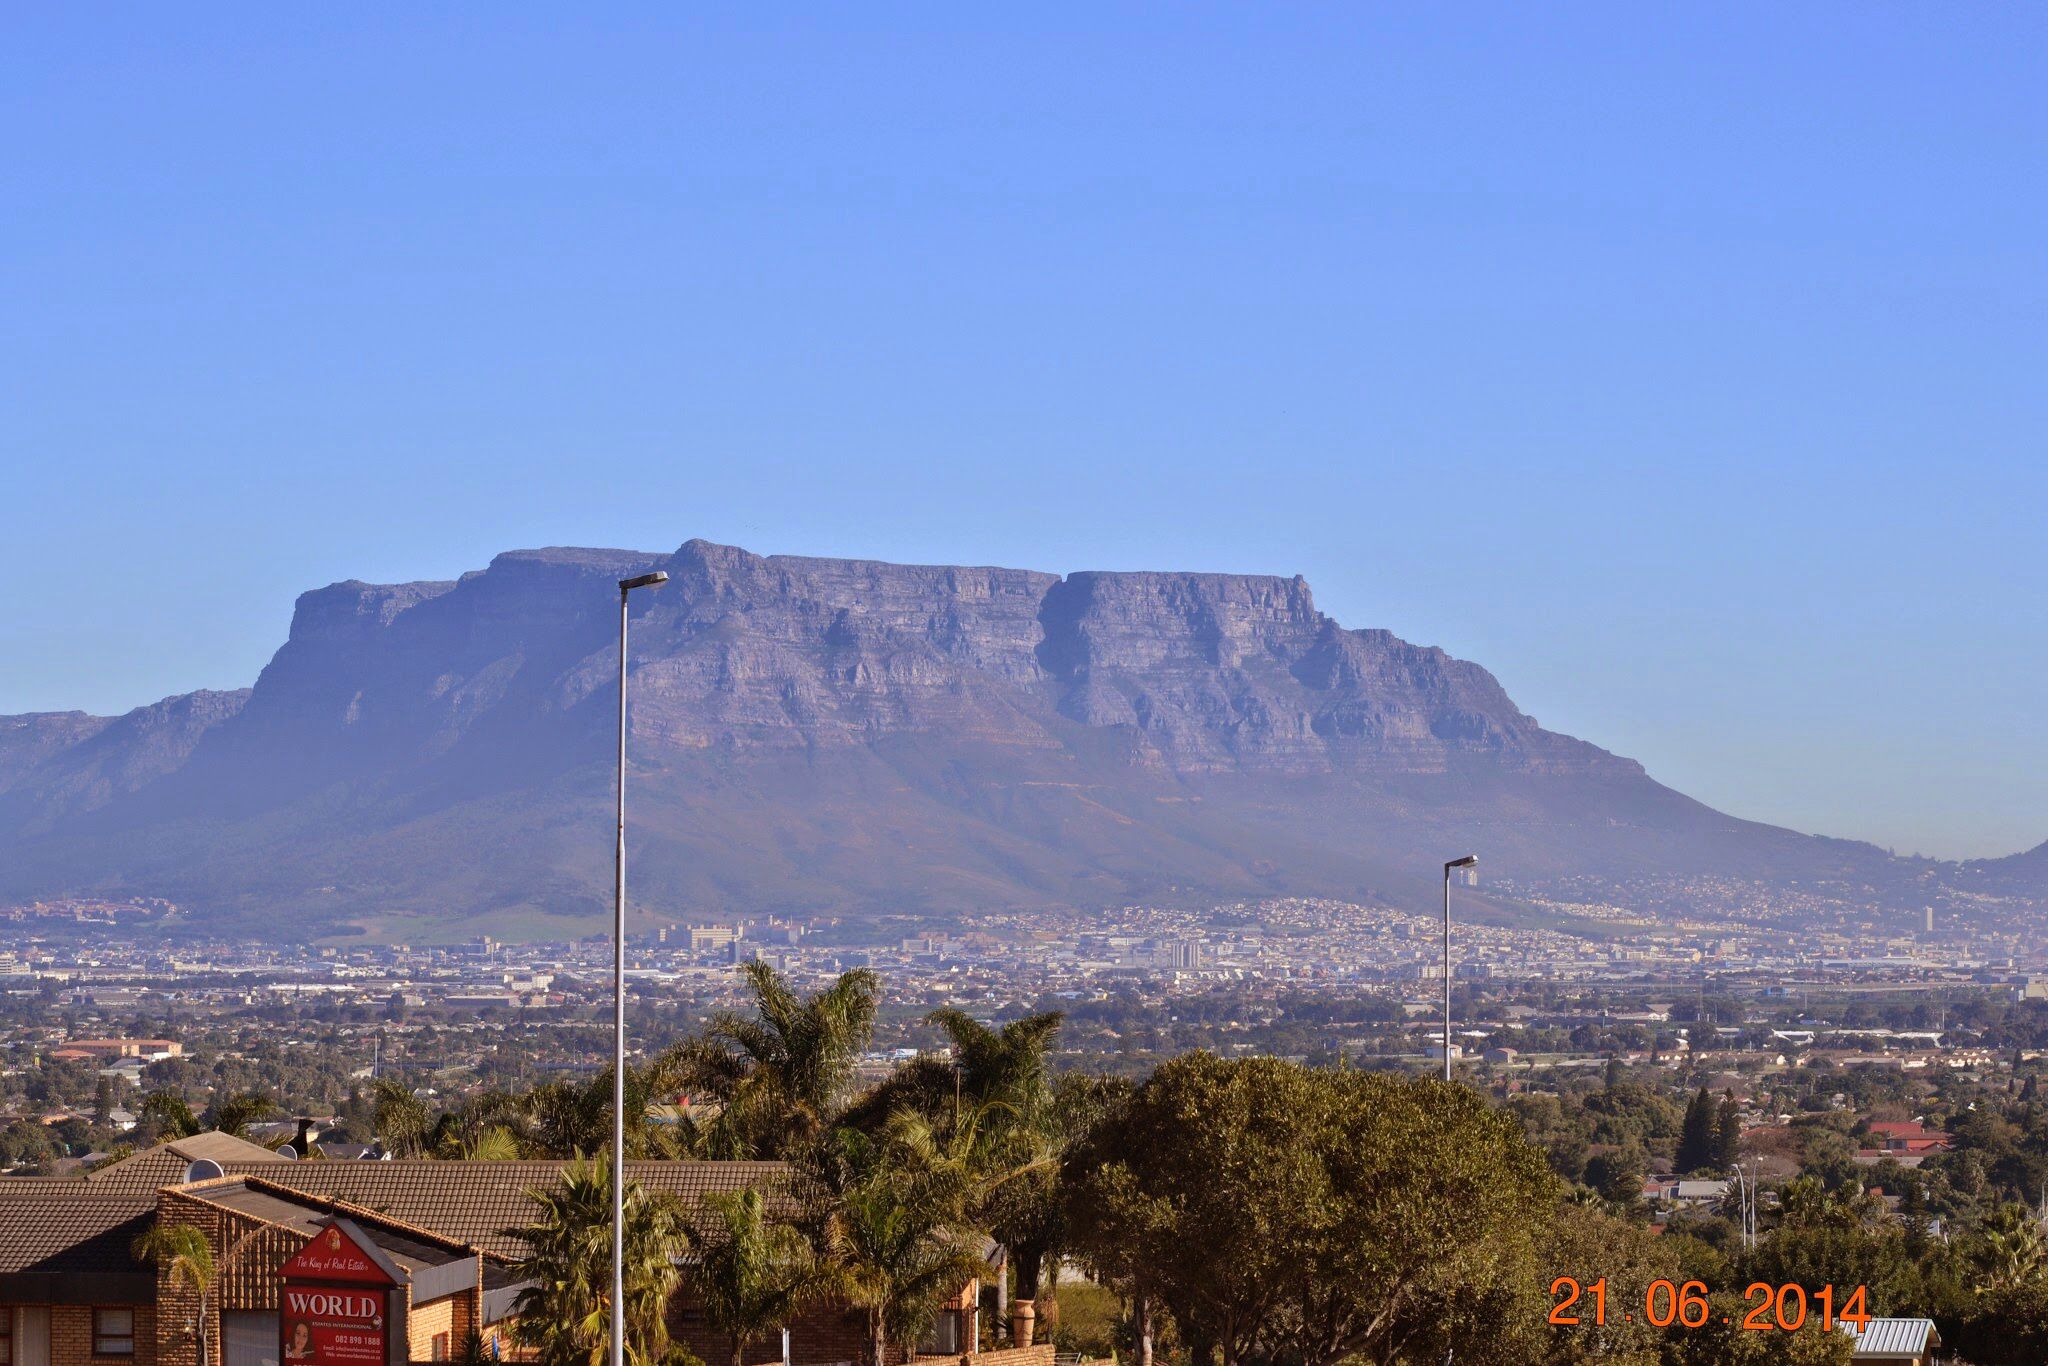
{"x": 339, "y": 1251}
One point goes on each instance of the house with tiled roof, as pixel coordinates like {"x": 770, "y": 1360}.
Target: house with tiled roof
{"x": 429, "y": 1243}
{"x": 71, "y": 1289}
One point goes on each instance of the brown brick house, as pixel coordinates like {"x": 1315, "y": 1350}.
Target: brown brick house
{"x": 70, "y": 1291}
{"x": 72, "y": 1294}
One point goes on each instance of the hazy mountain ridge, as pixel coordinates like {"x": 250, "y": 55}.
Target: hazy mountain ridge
{"x": 832, "y": 734}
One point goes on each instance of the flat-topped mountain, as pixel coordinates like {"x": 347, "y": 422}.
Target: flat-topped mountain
{"x": 816, "y": 734}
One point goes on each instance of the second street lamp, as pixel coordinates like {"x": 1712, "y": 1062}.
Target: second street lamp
{"x": 1469, "y": 861}
{"x": 626, "y": 587}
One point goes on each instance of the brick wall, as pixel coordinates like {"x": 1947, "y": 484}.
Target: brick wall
{"x": 811, "y": 1337}
{"x": 1038, "y": 1354}
{"x": 432, "y": 1318}
{"x": 246, "y": 1256}
{"x": 71, "y": 1337}
{"x": 818, "y": 1337}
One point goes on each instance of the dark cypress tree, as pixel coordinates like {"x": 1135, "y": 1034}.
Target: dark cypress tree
{"x": 1728, "y": 1132}
{"x": 1696, "y": 1136}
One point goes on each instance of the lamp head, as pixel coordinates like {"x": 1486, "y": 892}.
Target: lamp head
{"x": 1469, "y": 861}
{"x": 657, "y": 578}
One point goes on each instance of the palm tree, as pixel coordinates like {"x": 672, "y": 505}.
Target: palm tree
{"x": 167, "y": 1115}
{"x": 491, "y": 1145}
{"x": 752, "y": 1273}
{"x": 780, "y": 1075}
{"x": 565, "y": 1312}
{"x": 1027, "y": 1123}
{"x": 1005, "y": 1066}
{"x": 2010, "y": 1249}
{"x": 563, "y": 1119}
{"x": 403, "y": 1121}
{"x": 891, "y": 1212}
{"x": 569, "y": 1121}
{"x": 181, "y": 1254}
{"x": 485, "y": 1127}
{"x": 234, "y": 1114}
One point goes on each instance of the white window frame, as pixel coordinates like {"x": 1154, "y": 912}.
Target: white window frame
{"x": 101, "y": 1335}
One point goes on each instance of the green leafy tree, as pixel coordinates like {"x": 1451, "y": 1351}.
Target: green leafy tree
{"x": 1723, "y": 1341}
{"x": 1284, "y": 1214}
{"x": 563, "y": 1119}
{"x": 1028, "y": 1213}
{"x": 2004, "y": 1326}
{"x": 478, "y": 1116}
{"x": 489, "y": 1145}
{"x": 26, "y": 1144}
{"x": 568, "y": 1120}
{"x": 1004, "y": 1066}
{"x": 1588, "y": 1244}
{"x": 1846, "y": 1237}
{"x": 1000, "y": 1076}
{"x": 1619, "y": 1175}
{"x": 564, "y": 1313}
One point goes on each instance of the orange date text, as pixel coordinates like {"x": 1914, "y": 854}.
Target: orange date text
{"x": 1772, "y": 1308}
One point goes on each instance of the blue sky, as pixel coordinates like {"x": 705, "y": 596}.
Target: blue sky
{"x": 1685, "y": 367}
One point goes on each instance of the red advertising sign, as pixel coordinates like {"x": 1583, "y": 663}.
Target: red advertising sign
{"x": 334, "y": 1308}
{"x": 333, "y": 1327}
{"x": 339, "y": 1252}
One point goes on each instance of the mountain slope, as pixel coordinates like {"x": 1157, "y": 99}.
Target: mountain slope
{"x": 831, "y": 734}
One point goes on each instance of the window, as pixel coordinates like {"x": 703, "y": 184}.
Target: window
{"x": 440, "y": 1347}
{"x": 113, "y": 1332}
{"x": 943, "y": 1339}
{"x": 6, "y": 1336}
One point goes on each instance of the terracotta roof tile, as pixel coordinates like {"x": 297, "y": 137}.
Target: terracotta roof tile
{"x": 165, "y": 1164}
{"x": 475, "y": 1202}
{"x": 55, "y": 1226}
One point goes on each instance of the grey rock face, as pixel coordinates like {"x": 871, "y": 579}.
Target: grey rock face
{"x": 101, "y": 760}
{"x": 826, "y": 734}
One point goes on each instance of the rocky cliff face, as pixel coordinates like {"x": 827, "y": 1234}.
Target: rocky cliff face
{"x": 1204, "y": 672}
{"x": 72, "y": 764}
{"x": 1199, "y": 673}
{"x": 27, "y": 742}
{"x": 822, "y": 733}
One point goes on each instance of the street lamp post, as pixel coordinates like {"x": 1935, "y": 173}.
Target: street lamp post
{"x": 1466, "y": 862}
{"x": 626, "y": 587}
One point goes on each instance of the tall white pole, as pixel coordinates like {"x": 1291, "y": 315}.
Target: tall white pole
{"x": 619, "y": 1027}
{"x": 1447, "y": 972}
{"x": 1466, "y": 862}
{"x": 618, "y": 1357}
